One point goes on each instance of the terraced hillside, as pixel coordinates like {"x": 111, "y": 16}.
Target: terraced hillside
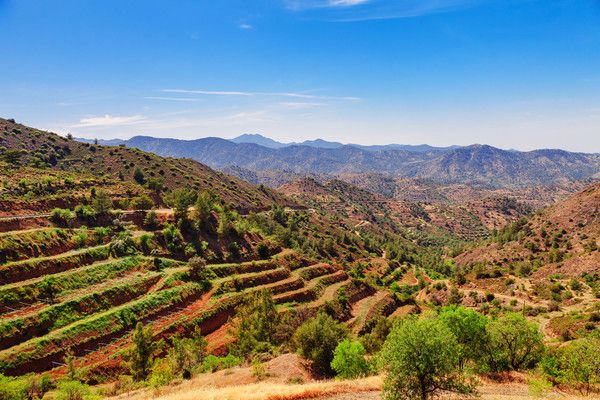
{"x": 88, "y": 300}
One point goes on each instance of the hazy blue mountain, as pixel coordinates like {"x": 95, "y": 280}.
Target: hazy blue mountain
{"x": 479, "y": 164}
{"x": 261, "y": 140}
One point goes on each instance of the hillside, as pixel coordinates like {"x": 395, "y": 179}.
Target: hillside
{"x": 38, "y": 148}
{"x": 561, "y": 239}
{"x": 358, "y": 207}
{"x": 476, "y": 164}
{"x": 549, "y": 261}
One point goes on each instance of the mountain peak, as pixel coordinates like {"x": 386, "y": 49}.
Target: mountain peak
{"x": 256, "y": 138}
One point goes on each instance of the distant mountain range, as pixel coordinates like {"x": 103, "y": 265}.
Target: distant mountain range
{"x": 253, "y": 155}
{"x": 324, "y": 144}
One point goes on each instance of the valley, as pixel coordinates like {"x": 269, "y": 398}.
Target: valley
{"x": 103, "y": 245}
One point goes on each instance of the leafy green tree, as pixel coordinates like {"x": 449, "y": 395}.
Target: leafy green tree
{"x": 74, "y": 390}
{"x": 349, "y": 360}
{"x": 173, "y": 238}
{"x": 187, "y": 353}
{"x": 421, "y": 359}
{"x": 203, "y": 207}
{"x": 317, "y": 339}
{"x": 580, "y": 364}
{"x": 468, "y": 327}
{"x": 102, "y": 203}
{"x": 199, "y": 272}
{"x": 380, "y": 329}
{"x": 513, "y": 343}
{"x": 256, "y": 324}
{"x": 263, "y": 251}
{"x": 122, "y": 244}
{"x": 180, "y": 200}
{"x": 151, "y": 220}
{"x": 138, "y": 176}
{"x": 13, "y": 388}
{"x": 142, "y": 353}
{"x": 48, "y": 288}
{"x": 70, "y": 363}
{"x": 279, "y": 215}
{"x": 142, "y": 202}
{"x": 12, "y": 156}
{"x": 62, "y": 217}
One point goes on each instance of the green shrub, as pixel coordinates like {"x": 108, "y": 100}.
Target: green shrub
{"x": 349, "y": 360}
{"x": 122, "y": 245}
{"x": 151, "y": 220}
{"x": 74, "y": 390}
{"x": 317, "y": 339}
{"x": 142, "y": 354}
{"x": 85, "y": 212}
{"x": 256, "y": 324}
{"x": 213, "y": 363}
{"x": 62, "y": 217}
{"x": 468, "y": 327}
{"x": 102, "y": 203}
{"x": 421, "y": 358}
{"x": 513, "y": 343}
{"x": 380, "y": 329}
{"x": 101, "y": 233}
{"x": 13, "y": 388}
{"x": 142, "y": 202}
{"x": 579, "y": 364}
{"x": 199, "y": 272}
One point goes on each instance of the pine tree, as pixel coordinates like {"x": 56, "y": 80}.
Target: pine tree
{"x": 141, "y": 355}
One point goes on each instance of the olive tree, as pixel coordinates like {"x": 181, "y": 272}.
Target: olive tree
{"x": 421, "y": 359}
{"x": 513, "y": 343}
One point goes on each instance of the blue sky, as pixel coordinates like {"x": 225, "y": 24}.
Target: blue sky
{"x": 515, "y": 74}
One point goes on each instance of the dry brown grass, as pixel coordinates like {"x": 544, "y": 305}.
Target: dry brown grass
{"x": 260, "y": 391}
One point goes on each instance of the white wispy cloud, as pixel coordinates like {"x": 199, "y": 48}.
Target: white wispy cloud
{"x": 185, "y": 99}
{"x": 109, "y": 120}
{"x": 290, "y": 105}
{"x": 207, "y": 92}
{"x": 346, "y": 3}
{"x": 362, "y": 10}
{"x": 246, "y": 26}
{"x": 273, "y": 94}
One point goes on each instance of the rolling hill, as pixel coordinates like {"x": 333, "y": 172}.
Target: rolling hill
{"x": 37, "y": 148}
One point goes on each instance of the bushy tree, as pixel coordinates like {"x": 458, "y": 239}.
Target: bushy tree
{"x": 263, "y": 251}
{"x": 173, "y": 238}
{"x": 349, "y": 360}
{"x": 256, "y": 324}
{"x": 513, "y": 343}
{"x": 13, "y": 388}
{"x": 138, "y": 176}
{"x": 468, "y": 327}
{"x": 102, "y": 203}
{"x": 317, "y": 339}
{"x": 151, "y": 220}
{"x": 187, "y": 353}
{"x": 12, "y": 156}
{"x": 48, "y": 288}
{"x": 142, "y": 202}
{"x": 199, "y": 272}
{"x": 203, "y": 207}
{"x": 380, "y": 329}
{"x": 421, "y": 359}
{"x": 62, "y": 217}
{"x": 122, "y": 244}
{"x": 579, "y": 363}
{"x": 142, "y": 353}
{"x": 74, "y": 390}
{"x": 180, "y": 199}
